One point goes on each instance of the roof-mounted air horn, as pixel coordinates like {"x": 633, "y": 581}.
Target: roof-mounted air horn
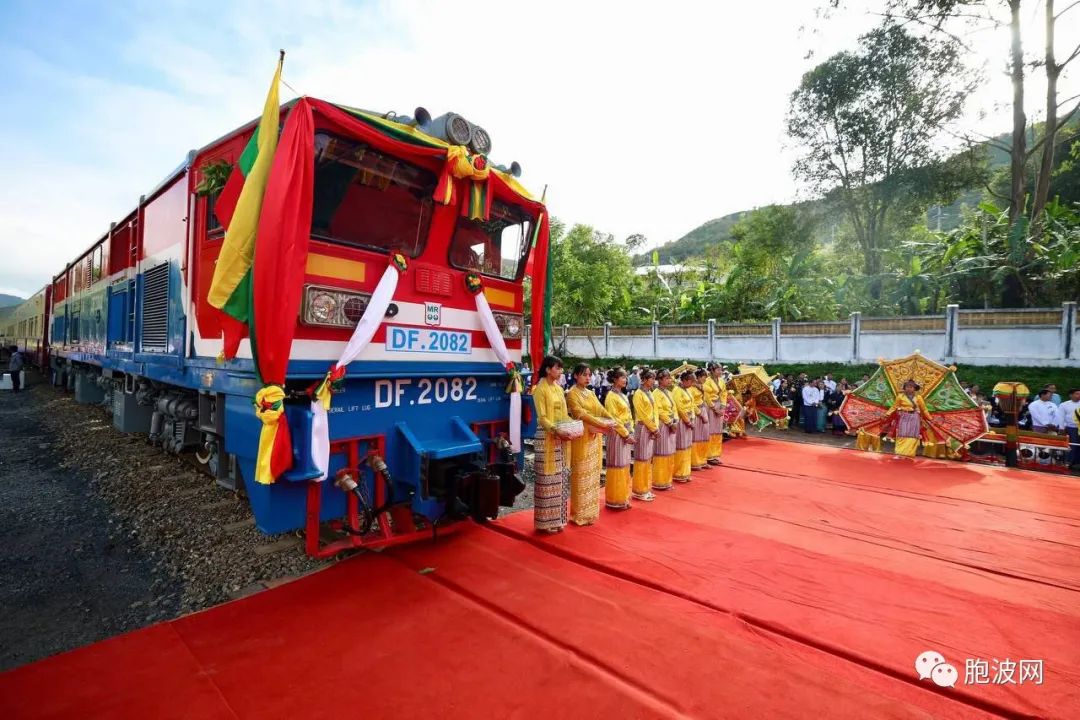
{"x": 421, "y": 118}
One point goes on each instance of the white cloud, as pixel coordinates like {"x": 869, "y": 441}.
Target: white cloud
{"x": 639, "y": 116}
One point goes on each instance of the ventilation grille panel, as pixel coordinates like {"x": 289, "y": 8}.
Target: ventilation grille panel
{"x": 155, "y": 309}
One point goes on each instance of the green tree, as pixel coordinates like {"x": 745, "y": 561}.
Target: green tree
{"x": 986, "y": 254}
{"x": 592, "y": 278}
{"x": 868, "y": 122}
{"x": 776, "y": 269}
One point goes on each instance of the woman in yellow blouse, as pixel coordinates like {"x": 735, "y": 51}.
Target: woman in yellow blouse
{"x": 910, "y": 412}
{"x": 716, "y": 394}
{"x": 663, "y": 462}
{"x": 699, "y": 453}
{"x": 684, "y": 431}
{"x": 586, "y": 451}
{"x": 551, "y": 484}
{"x": 644, "y": 437}
{"x": 617, "y": 487}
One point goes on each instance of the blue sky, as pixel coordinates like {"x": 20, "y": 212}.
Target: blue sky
{"x": 104, "y": 99}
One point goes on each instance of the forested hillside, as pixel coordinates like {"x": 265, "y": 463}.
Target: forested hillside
{"x": 711, "y": 236}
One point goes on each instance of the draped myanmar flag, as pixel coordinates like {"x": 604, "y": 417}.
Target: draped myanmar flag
{"x": 539, "y": 269}
{"x": 238, "y": 209}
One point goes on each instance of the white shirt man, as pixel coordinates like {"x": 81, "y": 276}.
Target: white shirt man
{"x": 830, "y": 384}
{"x": 1066, "y": 412}
{"x": 775, "y": 384}
{"x": 1043, "y": 413}
{"x": 812, "y": 395}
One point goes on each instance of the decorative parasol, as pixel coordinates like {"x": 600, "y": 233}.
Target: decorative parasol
{"x": 953, "y": 413}
{"x": 755, "y": 393}
{"x": 683, "y": 368}
{"x": 758, "y": 370}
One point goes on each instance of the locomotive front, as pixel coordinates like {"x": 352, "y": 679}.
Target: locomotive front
{"x": 419, "y": 424}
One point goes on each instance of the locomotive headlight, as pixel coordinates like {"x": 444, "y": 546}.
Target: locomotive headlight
{"x": 331, "y": 307}
{"x": 513, "y": 326}
{"x": 323, "y": 307}
{"x": 510, "y": 324}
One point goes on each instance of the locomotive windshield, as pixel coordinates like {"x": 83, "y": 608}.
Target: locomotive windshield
{"x": 496, "y": 247}
{"x": 368, "y": 199}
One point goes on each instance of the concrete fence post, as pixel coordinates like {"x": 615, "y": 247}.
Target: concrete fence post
{"x": 856, "y": 329}
{"x": 776, "y": 339}
{"x": 952, "y": 317}
{"x": 712, "y": 339}
{"x": 655, "y": 339}
{"x": 607, "y": 339}
{"x": 1068, "y": 330}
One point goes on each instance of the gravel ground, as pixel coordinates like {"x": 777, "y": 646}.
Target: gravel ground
{"x": 101, "y": 533}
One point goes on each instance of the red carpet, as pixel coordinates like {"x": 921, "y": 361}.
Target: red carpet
{"x": 797, "y": 581}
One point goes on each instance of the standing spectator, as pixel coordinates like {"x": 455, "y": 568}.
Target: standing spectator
{"x": 833, "y": 400}
{"x": 633, "y": 382}
{"x": 1054, "y": 397}
{"x": 811, "y": 404}
{"x": 605, "y": 386}
{"x": 1067, "y": 420}
{"x": 1043, "y": 413}
{"x": 974, "y": 391}
{"x": 829, "y": 383}
{"x": 15, "y": 365}
{"x": 797, "y": 399}
{"x": 776, "y": 384}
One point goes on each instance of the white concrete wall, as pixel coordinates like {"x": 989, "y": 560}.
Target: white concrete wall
{"x": 976, "y": 346}
{"x": 623, "y": 346}
{"x": 1006, "y": 345}
{"x": 890, "y": 345}
{"x": 1002, "y": 344}
{"x": 682, "y": 348}
{"x": 749, "y": 348}
{"x": 581, "y": 347}
{"x": 815, "y": 348}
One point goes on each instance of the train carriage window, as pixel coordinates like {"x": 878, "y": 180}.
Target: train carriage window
{"x": 496, "y": 247}
{"x": 96, "y": 271}
{"x": 213, "y": 225}
{"x": 368, "y": 199}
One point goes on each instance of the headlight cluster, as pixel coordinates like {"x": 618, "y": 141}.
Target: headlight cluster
{"x": 331, "y": 307}
{"x": 511, "y": 324}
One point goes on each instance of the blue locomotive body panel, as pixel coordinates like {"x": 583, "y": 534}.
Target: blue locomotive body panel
{"x": 421, "y": 415}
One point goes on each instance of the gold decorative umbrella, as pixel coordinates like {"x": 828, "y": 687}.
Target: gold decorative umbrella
{"x": 755, "y": 393}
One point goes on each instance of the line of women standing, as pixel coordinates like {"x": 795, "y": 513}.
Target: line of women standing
{"x": 661, "y": 427}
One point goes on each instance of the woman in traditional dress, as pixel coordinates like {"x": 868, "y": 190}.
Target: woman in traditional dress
{"x": 663, "y": 462}
{"x": 699, "y": 452}
{"x": 645, "y": 437}
{"x": 715, "y": 390}
{"x": 552, "y": 485}
{"x": 586, "y": 452}
{"x": 684, "y": 430}
{"x": 908, "y": 413}
{"x": 736, "y": 418}
{"x": 617, "y": 487}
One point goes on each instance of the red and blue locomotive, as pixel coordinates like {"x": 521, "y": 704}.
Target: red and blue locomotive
{"x": 419, "y": 429}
